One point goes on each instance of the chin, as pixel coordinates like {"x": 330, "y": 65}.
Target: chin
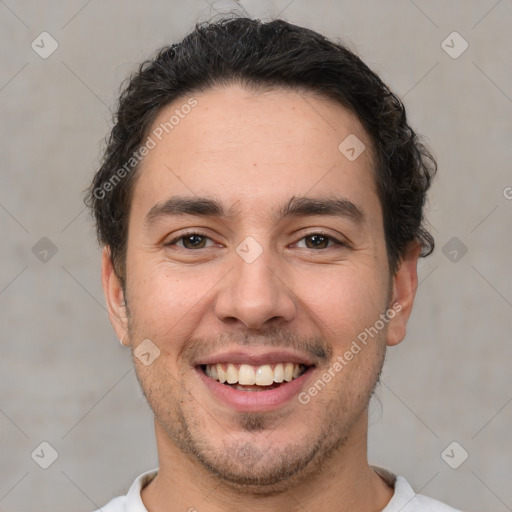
{"x": 249, "y": 471}
{"x": 264, "y": 464}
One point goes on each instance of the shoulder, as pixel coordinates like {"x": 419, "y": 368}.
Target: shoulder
{"x": 132, "y": 501}
{"x": 405, "y": 499}
{"x": 417, "y": 502}
{"x": 430, "y": 504}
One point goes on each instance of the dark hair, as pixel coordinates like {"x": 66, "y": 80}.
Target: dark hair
{"x": 265, "y": 55}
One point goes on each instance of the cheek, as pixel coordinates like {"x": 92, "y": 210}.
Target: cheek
{"x": 165, "y": 300}
{"x": 345, "y": 301}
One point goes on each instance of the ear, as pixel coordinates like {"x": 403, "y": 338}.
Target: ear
{"x": 114, "y": 296}
{"x": 405, "y": 283}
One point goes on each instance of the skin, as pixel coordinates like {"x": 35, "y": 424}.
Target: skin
{"x": 254, "y": 151}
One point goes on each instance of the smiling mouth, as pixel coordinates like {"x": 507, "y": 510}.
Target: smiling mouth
{"x": 246, "y": 377}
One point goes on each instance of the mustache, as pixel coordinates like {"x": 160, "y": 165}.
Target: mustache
{"x": 275, "y": 337}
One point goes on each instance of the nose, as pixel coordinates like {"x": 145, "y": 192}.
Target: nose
{"x": 255, "y": 294}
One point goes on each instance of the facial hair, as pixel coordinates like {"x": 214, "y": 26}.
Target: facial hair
{"x": 257, "y": 467}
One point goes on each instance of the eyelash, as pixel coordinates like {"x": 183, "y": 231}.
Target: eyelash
{"x": 315, "y": 233}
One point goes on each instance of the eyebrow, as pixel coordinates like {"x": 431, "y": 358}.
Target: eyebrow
{"x": 295, "y": 207}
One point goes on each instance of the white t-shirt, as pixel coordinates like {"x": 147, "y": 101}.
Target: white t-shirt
{"x": 404, "y": 499}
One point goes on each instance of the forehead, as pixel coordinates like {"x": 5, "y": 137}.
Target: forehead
{"x": 263, "y": 147}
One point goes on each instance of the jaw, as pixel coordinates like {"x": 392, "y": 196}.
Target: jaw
{"x": 264, "y": 463}
{"x": 256, "y": 453}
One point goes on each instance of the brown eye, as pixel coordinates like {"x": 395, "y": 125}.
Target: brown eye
{"x": 190, "y": 241}
{"x": 317, "y": 241}
{"x": 194, "y": 241}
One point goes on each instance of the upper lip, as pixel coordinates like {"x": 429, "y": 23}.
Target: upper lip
{"x": 257, "y": 357}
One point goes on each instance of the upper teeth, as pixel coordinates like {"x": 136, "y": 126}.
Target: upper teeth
{"x": 248, "y": 375}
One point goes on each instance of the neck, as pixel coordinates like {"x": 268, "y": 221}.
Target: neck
{"x": 344, "y": 482}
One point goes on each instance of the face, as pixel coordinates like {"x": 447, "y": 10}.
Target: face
{"x": 256, "y": 254}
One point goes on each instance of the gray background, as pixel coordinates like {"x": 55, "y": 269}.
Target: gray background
{"x": 64, "y": 377}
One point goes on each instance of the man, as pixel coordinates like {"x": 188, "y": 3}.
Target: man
{"x": 260, "y": 206}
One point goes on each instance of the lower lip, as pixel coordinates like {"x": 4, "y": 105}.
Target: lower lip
{"x": 251, "y": 401}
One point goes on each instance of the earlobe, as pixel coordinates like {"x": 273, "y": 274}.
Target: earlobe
{"x": 405, "y": 283}
{"x": 114, "y": 296}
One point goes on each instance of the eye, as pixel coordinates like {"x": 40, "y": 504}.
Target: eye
{"x": 190, "y": 241}
{"x": 197, "y": 240}
{"x": 320, "y": 241}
